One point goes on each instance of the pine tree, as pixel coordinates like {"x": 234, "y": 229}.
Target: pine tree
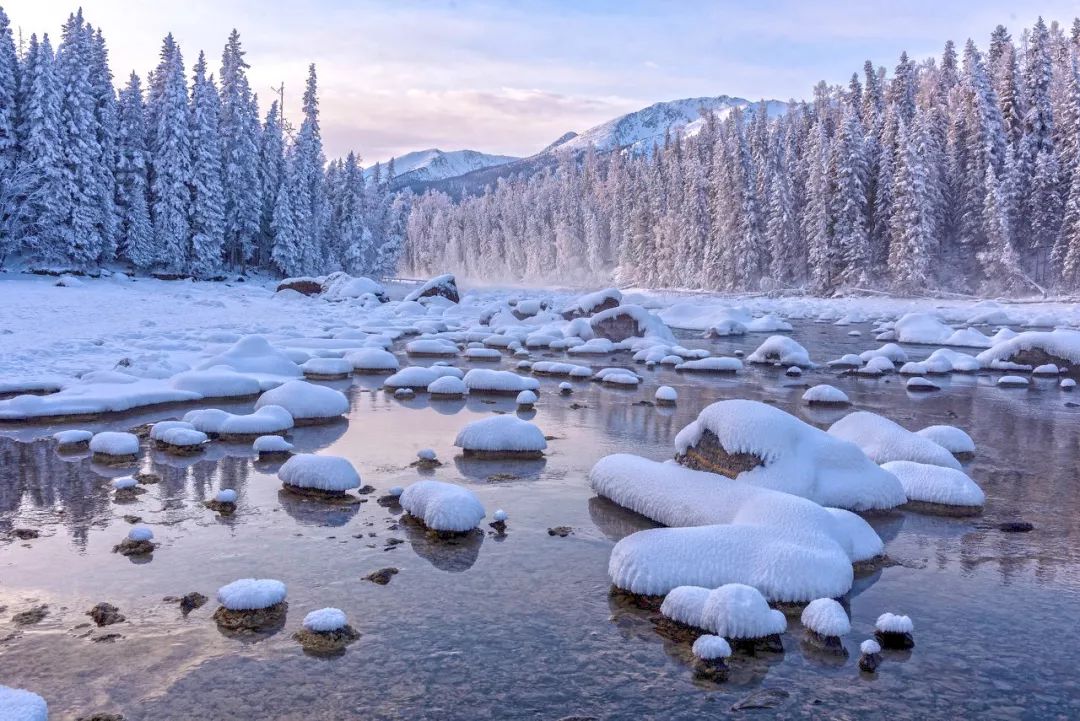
{"x": 912, "y": 221}
{"x": 271, "y": 177}
{"x": 107, "y": 124}
{"x": 135, "y": 231}
{"x": 244, "y": 209}
{"x": 848, "y": 173}
{"x": 170, "y": 158}
{"x": 207, "y": 220}
{"x": 9, "y": 83}
{"x": 999, "y": 259}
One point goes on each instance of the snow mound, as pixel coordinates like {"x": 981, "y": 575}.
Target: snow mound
{"x": 115, "y": 443}
{"x": 869, "y": 647}
{"x": 783, "y": 350}
{"x": 419, "y": 377}
{"x": 795, "y": 457}
{"x": 225, "y": 495}
{"x": 826, "y": 617}
{"x": 893, "y": 352}
{"x": 325, "y": 620}
{"x": 483, "y": 354}
{"x": 443, "y": 506}
{"x": 324, "y": 473}
{"x": 711, "y": 365}
{"x": 1035, "y": 348}
{"x": 17, "y": 704}
{"x": 768, "y": 323}
{"x": 326, "y": 367}
{"x": 504, "y": 433}
{"x": 666, "y": 394}
{"x": 140, "y": 533}
{"x": 951, "y": 438}
{"x": 254, "y": 354}
{"x": 448, "y": 386}
{"x": 431, "y": 347}
{"x": 305, "y": 401}
{"x": 625, "y": 321}
{"x": 216, "y": 383}
{"x": 264, "y": 421}
{"x": 739, "y": 611}
{"x": 68, "y": 438}
{"x": 923, "y": 328}
{"x": 1013, "y": 381}
{"x": 441, "y": 285}
{"x": 124, "y": 482}
{"x": 884, "y": 440}
{"x": 711, "y": 648}
{"x": 592, "y": 302}
{"x": 825, "y": 394}
{"x": 251, "y": 594}
{"x": 893, "y": 623}
{"x": 933, "y": 484}
{"x": 526, "y": 398}
{"x": 920, "y": 384}
{"x": 342, "y": 286}
{"x": 494, "y": 381}
{"x": 684, "y": 604}
{"x": 372, "y": 359}
{"x": 554, "y": 368}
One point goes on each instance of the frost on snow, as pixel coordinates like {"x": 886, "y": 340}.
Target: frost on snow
{"x": 793, "y": 456}
{"x": 783, "y": 350}
{"x": 951, "y": 438}
{"x": 883, "y": 440}
{"x": 931, "y": 484}
{"x": 826, "y": 617}
{"x": 115, "y": 443}
{"x": 251, "y": 594}
{"x": 17, "y": 704}
{"x": 266, "y": 420}
{"x": 443, "y": 506}
{"x": 325, "y": 620}
{"x": 305, "y": 401}
{"x": 501, "y": 434}
{"x": 324, "y": 473}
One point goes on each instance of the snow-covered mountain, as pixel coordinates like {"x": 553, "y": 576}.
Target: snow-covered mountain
{"x": 640, "y": 129}
{"x": 434, "y": 164}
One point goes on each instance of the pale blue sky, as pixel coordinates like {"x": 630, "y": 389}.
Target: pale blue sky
{"x": 510, "y": 77}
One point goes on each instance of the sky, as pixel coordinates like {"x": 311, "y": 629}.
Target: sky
{"x": 510, "y": 77}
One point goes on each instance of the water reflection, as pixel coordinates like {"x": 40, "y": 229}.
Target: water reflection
{"x": 453, "y": 555}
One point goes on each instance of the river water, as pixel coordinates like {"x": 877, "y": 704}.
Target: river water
{"x": 523, "y": 626}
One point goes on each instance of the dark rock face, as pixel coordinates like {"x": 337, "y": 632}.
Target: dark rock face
{"x": 896, "y": 641}
{"x": 829, "y": 644}
{"x": 617, "y": 328}
{"x": 225, "y": 508}
{"x": 754, "y": 646}
{"x": 307, "y": 286}
{"x": 25, "y": 534}
{"x": 128, "y": 547}
{"x": 447, "y": 289}
{"x": 607, "y": 304}
{"x": 714, "y": 670}
{"x": 260, "y": 619}
{"x": 1037, "y": 357}
{"x": 191, "y": 601}
{"x": 105, "y": 614}
{"x": 326, "y": 642}
{"x": 1016, "y": 527}
{"x": 869, "y": 662}
{"x": 382, "y": 576}
{"x": 941, "y": 509}
{"x": 560, "y": 531}
{"x": 709, "y": 455}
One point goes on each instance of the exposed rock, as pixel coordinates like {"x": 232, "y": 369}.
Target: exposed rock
{"x": 1036, "y": 357}
{"x": 338, "y": 497}
{"x": 714, "y": 670}
{"x": 326, "y": 642}
{"x": 753, "y": 646}
{"x": 191, "y": 601}
{"x": 260, "y": 619}
{"x": 607, "y": 304}
{"x": 382, "y": 576}
{"x": 146, "y": 479}
{"x": 896, "y": 641}
{"x": 560, "y": 531}
{"x": 31, "y": 616}
{"x": 128, "y": 495}
{"x": 941, "y": 509}
{"x": 869, "y": 662}
{"x": 105, "y": 614}
{"x": 225, "y": 508}
{"x": 25, "y": 534}
{"x": 499, "y": 526}
{"x": 502, "y": 455}
{"x": 306, "y": 286}
{"x": 709, "y": 455}
{"x": 443, "y": 285}
{"x": 128, "y": 547}
{"x": 829, "y": 644}
{"x": 101, "y": 717}
{"x": 132, "y": 519}
{"x": 617, "y": 327}
{"x": 1016, "y": 527}
{"x": 111, "y": 460}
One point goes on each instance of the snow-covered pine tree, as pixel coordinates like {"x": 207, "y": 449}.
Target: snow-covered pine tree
{"x": 9, "y": 83}
{"x": 271, "y": 177}
{"x": 848, "y": 171}
{"x": 239, "y": 133}
{"x": 999, "y": 259}
{"x": 207, "y": 218}
{"x": 106, "y": 115}
{"x": 170, "y": 159}
{"x": 135, "y": 231}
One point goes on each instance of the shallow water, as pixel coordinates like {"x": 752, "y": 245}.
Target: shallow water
{"x": 523, "y": 626}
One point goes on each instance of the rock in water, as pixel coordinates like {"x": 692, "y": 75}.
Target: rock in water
{"x": 763, "y": 698}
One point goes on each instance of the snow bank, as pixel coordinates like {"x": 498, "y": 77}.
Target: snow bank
{"x": 951, "y": 438}
{"x": 251, "y": 594}
{"x": 443, "y": 506}
{"x": 883, "y": 440}
{"x": 924, "y": 328}
{"x": 826, "y": 617}
{"x": 114, "y": 443}
{"x": 927, "y": 483}
{"x": 305, "y": 401}
{"x": 768, "y": 323}
{"x": 795, "y": 457}
{"x": 254, "y": 354}
{"x": 19, "y": 705}
{"x": 266, "y": 420}
{"x": 501, "y": 434}
{"x": 325, "y": 620}
{"x": 325, "y": 473}
{"x": 95, "y": 394}
{"x": 1035, "y": 348}
{"x": 783, "y": 350}
{"x": 488, "y": 380}
{"x": 326, "y": 368}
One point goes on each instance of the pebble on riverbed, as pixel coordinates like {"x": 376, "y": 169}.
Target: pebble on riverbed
{"x": 382, "y": 576}
{"x": 126, "y": 489}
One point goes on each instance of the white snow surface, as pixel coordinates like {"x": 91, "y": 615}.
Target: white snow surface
{"x": 796, "y": 457}
{"x": 250, "y": 594}
{"x": 115, "y": 443}
{"x": 225, "y": 495}
{"x": 372, "y": 359}
{"x": 448, "y": 386}
{"x": 67, "y": 438}
{"x": 667, "y": 394}
{"x": 825, "y": 393}
{"x": 717, "y": 364}
{"x": 491, "y": 380}
{"x": 893, "y": 623}
{"x": 951, "y": 438}
{"x": 271, "y": 444}
{"x": 884, "y": 440}
{"x": 419, "y": 377}
{"x": 17, "y": 704}
{"x": 140, "y": 533}
{"x": 709, "y": 647}
{"x": 500, "y": 433}
{"x": 264, "y": 420}
{"x": 869, "y": 647}
{"x": 443, "y": 506}
{"x": 325, "y": 620}
{"x": 934, "y": 484}
{"x": 325, "y": 473}
{"x": 825, "y": 616}
{"x": 736, "y": 610}
{"x": 783, "y": 350}
{"x": 1062, "y": 343}
{"x": 305, "y": 400}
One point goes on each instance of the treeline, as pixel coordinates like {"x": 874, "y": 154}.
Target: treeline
{"x": 178, "y": 175}
{"x": 960, "y": 173}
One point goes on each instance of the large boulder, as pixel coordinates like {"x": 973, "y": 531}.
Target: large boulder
{"x": 592, "y": 303}
{"x": 629, "y": 321}
{"x": 307, "y": 286}
{"x": 441, "y": 285}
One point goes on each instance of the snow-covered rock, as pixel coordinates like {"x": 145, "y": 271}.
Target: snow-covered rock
{"x": 936, "y": 489}
{"x": 782, "y": 350}
{"x": 1033, "y": 348}
{"x": 217, "y": 382}
{"x": 306, "y": 402}
{"x": 271, "y": 444}
{"x": 442, "y": 506}
{"x": 17, "y": 704}
{"x": 448, "y": 387}
{"x": 441, "y": 285}
{"x": 951, "y": 438}
{"x": 666, "y": 396}
{"x": 825, "y": 394}
{"x": 418, "y": 378}
{"x": 1013, "y": 381}
{"x": 738, "y": 611}
{"x": 326, "y": 368}
{"x": 711, "y": 365}
{"x": 710, "y": 648}
{"x": 73, "y": 438}
{"x": 924, "y": 328}
{"x": 251, "y": 594}
{"x": 826, "y": 617}
{"x": 628, "y": 321}
{"x": 331, "y": 474}
{"x": 372, "y": 360}
{"x": 765, "y": 446}
{"x": 114, "y": 443}
{"x": 488, "y": 380}
{"x": 254, "y": 354}
{"x": 591, "y": 303}
{"x": 265, "y": 420}
{"x": 501, "y": 436}
{"x": 883, "y": 440}
{"x": 325, "y": 620}
{"x": 431, "y": 347}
